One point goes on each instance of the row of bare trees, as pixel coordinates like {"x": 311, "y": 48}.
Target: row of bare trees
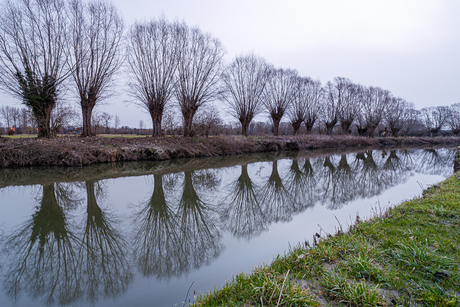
{"x": 47, "y": 47}
{"x": 251, "y": 86}
{"x": 173, "y": 61}
{"x": 44, "y": 44}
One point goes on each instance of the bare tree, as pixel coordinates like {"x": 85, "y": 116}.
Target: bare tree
{"x": 296, "y": 112}
{"x": 33, "y": 37}
{"x": 244, "y": 81}
{"x": 207, "y": 121}
{"x": 314, "y": 103}
{"x": 95, "y": 47}
{"x": 374, "y": 104}
{"x": 333, "y": 104}
{"x": 398, "y": 115}
{"x": 454, "y": 118}
{"x": 199, "y": 71}
{"x": 279, "y": 94}
{"x": 7, "y": 113}
{"x": 153, "y": 54}
{"x": 350, "y": 105}
{"x": 434, "y": 118}
{"x": 96, "y": 121}
{"x": 62, "y": 115}
{"x": 24, "y": 119}
{"x": 106, "y": 118}
{"x": 117, "y": 122}
{"x": 307, "y": 103}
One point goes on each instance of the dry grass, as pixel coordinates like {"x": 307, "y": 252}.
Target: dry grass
{"x": 76, "y": 151}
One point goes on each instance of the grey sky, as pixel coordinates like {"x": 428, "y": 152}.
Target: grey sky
{"x": 410, "y": 47}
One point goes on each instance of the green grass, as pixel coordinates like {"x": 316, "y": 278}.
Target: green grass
{"x": 20, "y": 136}
{"x": 407, "y": 256}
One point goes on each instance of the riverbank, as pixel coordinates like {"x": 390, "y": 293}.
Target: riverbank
{"x": 406, "y": 256}
{"x": 77, "y": 151}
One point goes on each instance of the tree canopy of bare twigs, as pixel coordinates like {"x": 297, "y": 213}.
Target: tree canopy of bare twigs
{"x": 153, "y": 56}
{"x": 199, "y": 71}
{"x": 95, "y": 48}
{"x": 279, "y": 94}
{"x": 399, "y": 115}
{"x": 350, "y": 105}
{"x": 333, "y": 104}
{"x": 434, "y": 118}
{"x": 307, "y": 103}
{"x": 454, "y": 118}
{"x": 33, "y": 36}
{"x": 374, "y": 105}
{"x": 244, "y": 82}
{"x": 61, "y": 116}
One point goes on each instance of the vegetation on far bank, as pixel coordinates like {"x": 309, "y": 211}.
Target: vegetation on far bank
{"x": 406, "y": 256}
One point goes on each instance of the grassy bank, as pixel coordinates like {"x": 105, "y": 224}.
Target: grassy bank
{"x": 77, "y": 151}
{"x": 407, "y": 256}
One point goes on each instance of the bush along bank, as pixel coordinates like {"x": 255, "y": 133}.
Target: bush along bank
{"x": 406, "y": 256}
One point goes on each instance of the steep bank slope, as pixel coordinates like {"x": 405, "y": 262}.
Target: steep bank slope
{"x": 76, "y": 151}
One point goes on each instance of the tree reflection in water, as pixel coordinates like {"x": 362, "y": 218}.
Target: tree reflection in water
{"x": 199, "y": 233}
{"x": 49, "y": 261}
{"x": 157, "y": 246}
{"x": 42, "y": 252}
{"x": 172, "y": 240}
{"x": 434, "y": 161}
{"x": 103, "y": 260}
{"x": 276, "y": 200}
{"x": 242, "y": 215}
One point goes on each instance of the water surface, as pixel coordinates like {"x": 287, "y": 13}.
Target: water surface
{"x": 144, "y": 233}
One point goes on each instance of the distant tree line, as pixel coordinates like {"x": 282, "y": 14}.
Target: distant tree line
{"x": 55, "y": 49}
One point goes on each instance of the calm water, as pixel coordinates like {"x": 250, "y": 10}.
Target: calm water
{"x": 142, "y": 234}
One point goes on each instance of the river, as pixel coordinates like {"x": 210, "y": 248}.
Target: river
{"x": 159, "y": 233}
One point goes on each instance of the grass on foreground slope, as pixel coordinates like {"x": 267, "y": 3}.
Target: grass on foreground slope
{"x": 407, "y": 256}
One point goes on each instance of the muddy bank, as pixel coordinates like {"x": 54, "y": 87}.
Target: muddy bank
{"x": 76, "y": 151}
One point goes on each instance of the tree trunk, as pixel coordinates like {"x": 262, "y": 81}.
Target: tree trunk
{"x": 245, "y": 120}
{"x": 371, "y": 131}
{"x": 296, "y": 125}
{"x": 309, "y": 125}
{"x": 346, "y": 126}
{"x": 330, "y": 126}
{"x": 276, "y": 117}
{"x": 157, "y": 115}
{"x": 244, "y": 128}
{"x": 43, "y": 117}
{"x": 362, "y": 131}
{"x": 87, "y": 112}
{"x": 188, "y": 114}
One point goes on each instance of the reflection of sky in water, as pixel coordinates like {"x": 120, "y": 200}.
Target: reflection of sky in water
{"x": 198, "y": 226}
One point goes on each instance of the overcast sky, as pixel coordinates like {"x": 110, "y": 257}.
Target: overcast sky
{"x": 411, "y": 48}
